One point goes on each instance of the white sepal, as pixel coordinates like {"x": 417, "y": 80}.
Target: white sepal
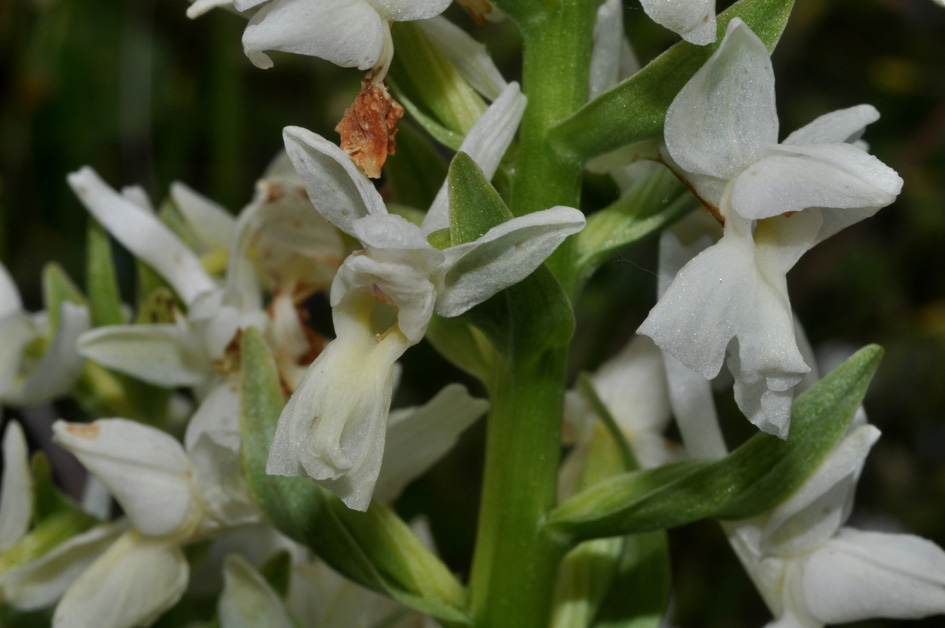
{"x": 843, "y": 125}
{"x": 693, "y": 20}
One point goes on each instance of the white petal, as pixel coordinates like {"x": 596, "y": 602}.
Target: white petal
{"x": 163, "y": 355}
{"x": 859, "y": 575}
{"x": 793, "y": 178}
{"x": 408, "y": 10}
{"x": 199, "y": 7}
{"x": 816, "y": 511}
{"x": 247, "y": 600}
{"x": 418, "y": 437}
{"x": 144, "y": 468}
{"x": 129, "y": 585}
{"x": 43, "y": 581}
{"x": 694, "y": 20}
{"x": 9, "y": 295}
{"x": 16, "y": 490}
{"x": 217, "y": 416}
{"x": 725, "y": 115}
{"x": 471, "y": 59}
{"x": 143, "y": 234}
{"x": 349, "y": 33}
{"x": 607, "y": 48}
{"x": 213, "y": 224}
{"x": 334, "y": 426}
{"x": 845, "y": 125}
{"x": 505, "y": 255}
{"x": 338, "y": 190}
{"x": 486, "y": 143}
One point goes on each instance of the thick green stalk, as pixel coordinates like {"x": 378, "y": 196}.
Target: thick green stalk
{"x": 515, "y": 564}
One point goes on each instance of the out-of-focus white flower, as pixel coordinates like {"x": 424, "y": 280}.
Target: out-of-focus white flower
{"x": 693, "y": 20}
{"x": 16, "y": 490}
{"x": 247, "y": 599}
{"x": 333, "y": 428}
{"x": 776, "y": 201}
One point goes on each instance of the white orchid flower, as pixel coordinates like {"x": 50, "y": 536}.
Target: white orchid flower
{"x": 333, "y": 428}
{"x": 776, "y": 201}
{"x": 693, "y": 20}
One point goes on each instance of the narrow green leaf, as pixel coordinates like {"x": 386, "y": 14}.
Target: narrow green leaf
{"x": 449, "y": 138}
{"x": 649, "y": 205}
{"x": 639, "y": 592}
{"x": 751, "y": 480}
{"x": 376, "y": 548}
{"x": 635, "y": 109}
{"x": 104, "y": 298}
{"x": 48, "y": 500}
{"x": 58, "y": 288}
{"x": 475, "y": 206}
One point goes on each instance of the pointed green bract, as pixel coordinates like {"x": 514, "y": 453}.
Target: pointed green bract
{"x": 104, "y": 299}
{"x": 376, "y": 549}
{"x": 634, "y": 109}
{"x": 475, "y": 206}
{"x": 751, "y": 480}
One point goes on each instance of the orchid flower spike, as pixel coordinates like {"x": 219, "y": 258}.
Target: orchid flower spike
{"x": 776, "y": 201}
{"x": 383, "y": 297}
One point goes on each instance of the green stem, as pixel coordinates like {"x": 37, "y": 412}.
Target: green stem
{"x": 515, "y": 564}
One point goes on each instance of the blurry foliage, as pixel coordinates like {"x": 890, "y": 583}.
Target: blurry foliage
{"x": 146, "y": 96}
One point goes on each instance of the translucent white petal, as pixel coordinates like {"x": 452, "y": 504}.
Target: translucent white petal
{"x": 247, "y": 600}
{"x": 129, "y": 585}
{"x": 694, "y": 20}
{"x": 43, "y": 581}
{"x": 213, "y": 224}
{"x": 725, "y": 115}
{"x": 338, "y": 190}
{"x": 143, "y": 234}
{"x": 418, "y": 437}
{"x": 144, "y": 468}
{"x": 505, "y": 255}
{"x": 163, "y": 355}
{"x": 333, "y": 428}
{"x": 793, "y": 178}
{"x": 349, "y": 33}
{"x": 471, "y": 59}
{"x": 408, "y": 10}
{"x": 486, "y": 143}
{"x": 16, "y": 490}
{"x": 859, "y": 575}
{"x": 844, "y": 125}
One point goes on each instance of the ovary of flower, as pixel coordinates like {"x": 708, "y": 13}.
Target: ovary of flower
{"x": 383, "y": 297}
{"x": 776, "y": 201}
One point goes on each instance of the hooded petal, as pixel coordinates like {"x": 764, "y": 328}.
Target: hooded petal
{"x": 348, "y": 33}
{"x": 505, "y": 255}
{"x": 844, "y": 125}
{"x": 725, "y": 115}
{"x": 163, "y": 355}
{"x": 418, "y": 437}
{"x": 794, "y": 178}
{"x": 337, "y": 189}
{"x": 247, "y": 600}
{"x": 143, "y": 234}
{"x": 144, "y": 468}
{"x": 859, "y": 575}
{"x": 16, "y": 490}
{"x": 486, "y": 143}
{"x": 129, "y": 585}
{"x": 333, "y": 428}
{"x": 694, "y": 20}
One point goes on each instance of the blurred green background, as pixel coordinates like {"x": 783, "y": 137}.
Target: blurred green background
{"x": 147, "y": 96}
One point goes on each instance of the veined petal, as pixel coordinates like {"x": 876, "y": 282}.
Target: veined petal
{"x": 505, "y": 255}
{"x": 472, "y": 60}
{"x": 247, "y": 600}
{"x": 163, "y": 355}
{"x": 409, "y": 10}
{"x": 725, "y": 115}
{"x": 486, "y": 143}
{"x": 338, "y": 190}
{"x": 144, "y": 468}
{"x": 844, "y": 125}
{"x": 213, "y": 224}
{"x": 43, "y": 581}
{"x": 333, "y": 428}
{"x": 418, "y": 437}
{"x": 859, "y": 575}
{"x": 793, "y": 178}
{"x": 694, "y": 20}
{"x": 129, "y": 585}
{"x": 817, "y": 510}
{"x": 348, "y": 33}
{"x": 16, "y": 490}
{"x": 143, "y": 234}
